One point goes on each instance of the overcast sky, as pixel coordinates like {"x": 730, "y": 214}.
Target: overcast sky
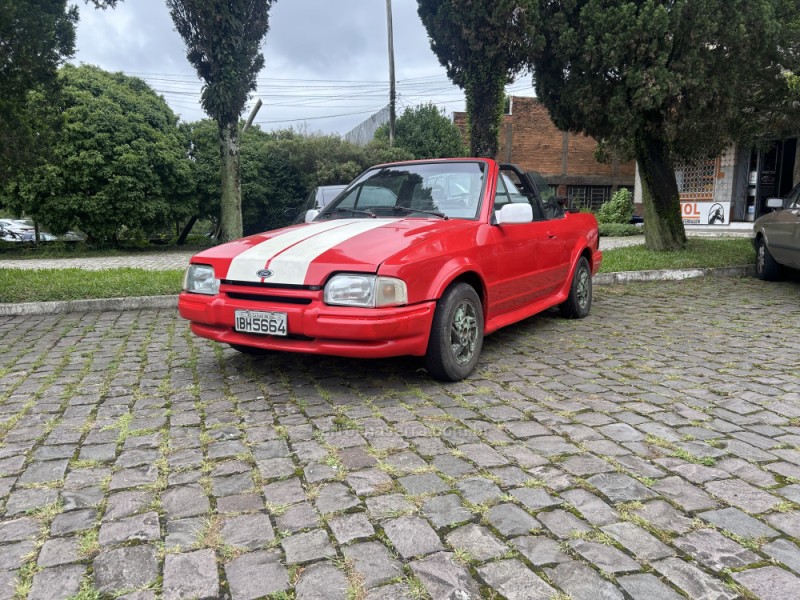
{"x": 326, "y": 62}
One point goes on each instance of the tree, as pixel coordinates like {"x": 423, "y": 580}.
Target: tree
{"x": 36, "y": 37}
{"x": 483, "y": 45}
{"x": 119, "y": 163}
{"x": 666, "y": 79}
{"x": 426, "y": 132}
{"x": 278, "y": 170}
{"x": 223, "y": 38}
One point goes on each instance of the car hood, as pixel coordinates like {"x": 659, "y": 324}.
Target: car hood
{"x": 307, "y": 254}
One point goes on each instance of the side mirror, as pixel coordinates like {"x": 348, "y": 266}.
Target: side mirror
{"x": 775, "y": 203}
{"x": 516, "y": 212}
{"x": 311, "y": 215}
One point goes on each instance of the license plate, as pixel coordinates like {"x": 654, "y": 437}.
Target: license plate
{"x": 262, "y": 323}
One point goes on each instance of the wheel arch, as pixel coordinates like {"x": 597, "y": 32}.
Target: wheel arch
{"x": 587, "y": 254}
{"x": 468, "y": 276}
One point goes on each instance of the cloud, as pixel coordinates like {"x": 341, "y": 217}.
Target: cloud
{"x": 326, "y": 61}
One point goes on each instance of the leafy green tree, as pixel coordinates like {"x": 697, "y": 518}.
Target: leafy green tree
{"x": 425, "y": 132}
{"x": 483, "y": 45}
{"x": 119, "y": 163}
{"x": 36, "y": 37}
{"x": 278, "y": 171}
{"x": 223, "y": 39}
{"x": 665, "y": 79}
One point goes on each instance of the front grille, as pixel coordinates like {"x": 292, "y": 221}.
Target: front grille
{"x": 267, "y": 286}
{"x": 273, "y": 299}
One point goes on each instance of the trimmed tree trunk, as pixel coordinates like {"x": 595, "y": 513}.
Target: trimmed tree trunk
{"x": 663, "y": 226}
{"x": 231, "y": 201}
{"x": 485, "y": 96}
{"x": 185, "y": 233}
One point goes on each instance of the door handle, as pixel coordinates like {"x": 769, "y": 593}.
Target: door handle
{"x": 551, "y": 235}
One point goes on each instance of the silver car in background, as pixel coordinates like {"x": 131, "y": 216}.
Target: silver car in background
{"x": 777, "y": 236}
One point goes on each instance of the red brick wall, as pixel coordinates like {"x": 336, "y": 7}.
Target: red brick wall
{"x": 538, "y": 145}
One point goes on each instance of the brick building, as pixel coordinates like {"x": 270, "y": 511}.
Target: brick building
{"x": 529, "y": 138}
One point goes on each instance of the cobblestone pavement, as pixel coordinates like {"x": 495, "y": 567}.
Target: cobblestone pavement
{"x": 649, "y": 452}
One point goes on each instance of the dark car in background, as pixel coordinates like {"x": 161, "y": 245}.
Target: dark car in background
{"x": 777, "y": 236}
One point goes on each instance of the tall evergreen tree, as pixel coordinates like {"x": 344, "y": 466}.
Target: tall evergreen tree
{"x": 483, "y": 45}
{"x": 668, "y": 79}
{"x": 223, "y": 39}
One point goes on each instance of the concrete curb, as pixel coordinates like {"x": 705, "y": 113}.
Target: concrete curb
{"x": 100, "y": 304}
{"x": 671, "y": 275}
{"x": 167, "y": 302}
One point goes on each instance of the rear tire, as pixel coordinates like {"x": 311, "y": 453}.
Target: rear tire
{"x": 456, "y": 334}
{"x": 579, "y": 301}
{"x": 767, "y": 268}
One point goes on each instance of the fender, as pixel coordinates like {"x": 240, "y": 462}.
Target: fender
{"x": 581, "y": 249}
{"x": 452, "y": 270}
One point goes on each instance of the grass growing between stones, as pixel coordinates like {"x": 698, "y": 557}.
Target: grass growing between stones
{"x": 699, "y": 253}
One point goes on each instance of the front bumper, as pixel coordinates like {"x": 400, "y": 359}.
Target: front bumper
{"x": 313, "y": 327}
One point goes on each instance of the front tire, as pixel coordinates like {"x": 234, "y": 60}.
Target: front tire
{"x": 456, "y": 334}
{"x": 767, "y": 268}
{"x": 579, "y": 301}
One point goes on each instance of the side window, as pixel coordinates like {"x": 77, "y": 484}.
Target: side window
{"x": 501, "y": 197}
{"x": 552, "y": 209}
{"x": 368, "y": 196}
{"x": 349, "y": 201}
{"x": 374, "y": 196}
{"x": 515, "y": 195}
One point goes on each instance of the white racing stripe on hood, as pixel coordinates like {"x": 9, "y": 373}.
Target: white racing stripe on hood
{"x": 289, "y": 255}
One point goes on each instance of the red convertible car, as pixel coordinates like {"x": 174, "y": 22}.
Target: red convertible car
{"x": 419, "y": 258}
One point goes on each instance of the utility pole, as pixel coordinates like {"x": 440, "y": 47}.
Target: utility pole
{"x": 391, "y": 73}
{"x": 252, "y": 116}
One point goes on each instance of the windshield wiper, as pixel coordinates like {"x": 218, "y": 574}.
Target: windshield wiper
{"x": 406, "y": 209}
{"x": 340, "y": 209}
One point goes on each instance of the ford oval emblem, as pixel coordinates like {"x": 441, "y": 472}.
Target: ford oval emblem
{"x": 265, "y": 273}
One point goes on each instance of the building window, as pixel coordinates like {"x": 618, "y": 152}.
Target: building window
{"x": 696, "y": 181}
{"x": 589, "y": 197}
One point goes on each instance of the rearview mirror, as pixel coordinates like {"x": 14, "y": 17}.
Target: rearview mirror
{"x": 516, "y": 212}
{"x": 774, "y": 202}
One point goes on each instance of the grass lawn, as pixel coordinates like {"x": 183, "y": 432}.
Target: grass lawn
{"x": 23, "y": 285}
{"x": 699, "y": 253}
{"x": 26, "y": 285}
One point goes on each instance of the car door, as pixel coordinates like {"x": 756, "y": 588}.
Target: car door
{"x": 518, "y": 247}
{"x": 783, "y": 231}
{"x": 793, "y": 243}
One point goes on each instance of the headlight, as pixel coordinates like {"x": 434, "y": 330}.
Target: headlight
{"x": 200, "y": 279}
{"x": 367, "y": 291}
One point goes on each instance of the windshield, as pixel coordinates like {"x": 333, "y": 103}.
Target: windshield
{"x": 444, "y": 190}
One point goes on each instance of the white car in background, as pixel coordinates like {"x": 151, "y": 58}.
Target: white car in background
{"x": 318, "y": 198}
{"x": 14, "y": 230}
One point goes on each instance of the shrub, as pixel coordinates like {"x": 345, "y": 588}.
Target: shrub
{"x": 619, "y": 230}
{"x": 617, "y": 210}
